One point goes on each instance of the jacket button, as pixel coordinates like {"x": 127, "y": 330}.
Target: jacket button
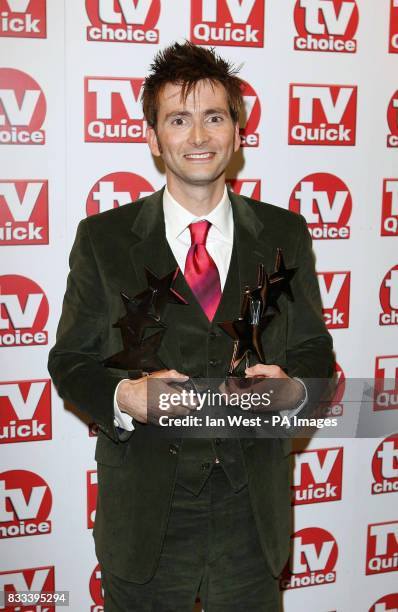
{"x": 205, "y": 466}
{"x": 213, "y": 362}
{"x": 173, "y": 449}
{"x": 218, "y": 441}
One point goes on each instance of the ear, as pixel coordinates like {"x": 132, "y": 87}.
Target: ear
{"x": 237, "y": 138}
{"x": 152, "y": 141}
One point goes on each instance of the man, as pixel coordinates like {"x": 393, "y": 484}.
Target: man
{"x": 181, "y": 516}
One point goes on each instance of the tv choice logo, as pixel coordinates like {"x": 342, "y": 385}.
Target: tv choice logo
{"x": 389, "y": 208}
{"x": 326, "y": 25}
{"x": 22, "y": 109}
{"x": 388, "y": 603}
{"x": 389, "y": 298}
{"x": 386, "y": 383}
{"x": 335, "y": 293}
{"x": 238, "y": 23}
{"x": 385, "y": 466}
{"x": 393, "y": 38}
{"x": 23, "y": 212}
{"x": 92, "y": 493}
{"x": 326, "y": 203}
{"x": 123, "y": 21}
{"x": 382, "y": 548}
{"x": 250, "y": 117}
{"x": 116, "y": 189}
{"x": 25, "y": 411}
{"x": 322, "y": 114}
{"x": 23, "y": 312}
{"x": 392, "y": 120}
{"x": 113, "y": 111}
{"x": 317, "y": 476}
{"x": 23, "y": 18}
{"x": 33, "y": 579}
{"x": 25, "y": 504}
{"x": 313, "y": 559}
{"x": 96, "y": 591}
{"x": 251, "y": 188}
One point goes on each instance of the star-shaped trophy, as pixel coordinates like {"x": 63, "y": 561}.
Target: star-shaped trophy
{"x": 143, "y": 313}
{"x": 259, "y": 306}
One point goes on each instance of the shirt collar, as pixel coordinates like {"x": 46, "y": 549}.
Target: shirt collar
{"x": 177, "y": 218}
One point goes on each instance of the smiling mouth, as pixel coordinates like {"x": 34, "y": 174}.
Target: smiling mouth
{"x": 199, "y": 156}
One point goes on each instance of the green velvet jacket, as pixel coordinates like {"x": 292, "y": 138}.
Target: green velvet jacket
{"x": 137, "y": 476}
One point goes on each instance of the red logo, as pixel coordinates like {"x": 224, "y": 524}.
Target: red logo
{"x": 36, "y": 579}
{"x": 389, "y": 214}
{"x": 335, "y": 292}
{"x": 25, "y": 504}
{"x": 250, "y": 117}
{"x": 251, "y": 188}
{"x": 23, "y": 312}
{"x": 382, "y": 548}
{"x": 235, "y": 23}
{"x": 313, "y": 558}
{"x": 388, "y": 603}
{"x": 393, "y": 39}
{"x": 389, "y": 298}
{"x": 385, "y": 466}
{"x": 113, "y": 112}
{"x": 23, "y": 18}
{"x": 322, "y": 114}
{"x": 25, "y": 411}
{"x": 22, "y": 108}
{"x": 116, "y": 189}
{"x": 392, "y": 119}
{"x": 123, "y": 20}
{"x": 23, "y": 212}
{"x": 326, "y": 25}
{"x": 318, "y": 476}
{"x": 92, "y": 492}
{"x": 326, "y": 203}
{"x": 96, "y": 590}
{"x": 386, "y": 383}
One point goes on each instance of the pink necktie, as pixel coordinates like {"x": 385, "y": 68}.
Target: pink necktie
{"x": 201, "y": 272}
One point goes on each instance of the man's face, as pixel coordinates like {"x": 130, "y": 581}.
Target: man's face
{"x": 195, "y": 138}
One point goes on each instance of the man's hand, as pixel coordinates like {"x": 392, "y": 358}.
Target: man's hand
{"x": 132, "y": 396}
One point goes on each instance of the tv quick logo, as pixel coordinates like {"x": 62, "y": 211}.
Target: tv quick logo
{"x": 382, "y": 548}
{"x": 312, "y": 561}
{"x": 386, "y": 383}
{"x": 116, "y": 189}
{"x": 317, "y": 476}
{"x": 389, "y": 208}
{"x": 23, "y": 212}
{"x": 123, "y": 21}
{"x": 25, "y": 411}
{"x": 25, "y": 504}
{"x": 92, "y": 492}
{"x": 322, "y": 114}
{"x": 96, "y": 592}
{"x": 335, "y": 293}
{"x": 326, "y": 203}
{"x": 251, "y": 188}
{"x": 234, "y": 23}
{"x": 326, "y": 25}
{"x": 392, "y": 119}
{"x": 33, "y": 579}
{"x": 250, "y": 117}
{"x": 23, "y": 312}
{"x": 385, "y": 466}
{"x": 22, "y": 109}
{"x": 393, "y": 38}
{"x": 23, "y": 18}
{"x": 113, "y": 112}
{"x": 388, "y": 603}
{"x": 389, "y": 298}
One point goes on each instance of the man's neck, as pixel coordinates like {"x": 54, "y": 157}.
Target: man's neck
{"x": 198, "y": 199}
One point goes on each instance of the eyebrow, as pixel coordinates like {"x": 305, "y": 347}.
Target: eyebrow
{"x": 185, "y": 113}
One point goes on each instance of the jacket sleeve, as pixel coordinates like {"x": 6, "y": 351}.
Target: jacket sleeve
{"x": 75, "y": 360}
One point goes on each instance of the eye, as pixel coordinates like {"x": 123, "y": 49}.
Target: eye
{"x": 216, "y": 119}
{"x": 178, "y": 121}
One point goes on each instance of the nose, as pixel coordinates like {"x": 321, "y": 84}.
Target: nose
{"x": 198, "y": 134}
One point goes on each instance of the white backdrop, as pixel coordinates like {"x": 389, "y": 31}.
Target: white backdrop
{"x": 322, "y": 126}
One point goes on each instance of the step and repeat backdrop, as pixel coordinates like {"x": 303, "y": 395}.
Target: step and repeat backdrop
{"x": 320, "y": 137}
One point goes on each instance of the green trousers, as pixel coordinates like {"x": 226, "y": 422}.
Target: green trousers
{"x": 211, "y": 549}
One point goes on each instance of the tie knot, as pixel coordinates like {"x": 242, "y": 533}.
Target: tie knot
{"x": 199, "y": 231}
